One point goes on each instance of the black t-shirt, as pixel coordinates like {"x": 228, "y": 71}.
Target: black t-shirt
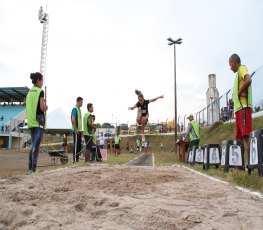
{"x": 144, "y": 107}
{"x": 39, "y": 112}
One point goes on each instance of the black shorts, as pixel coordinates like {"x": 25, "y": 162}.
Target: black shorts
{"x": 88, "y": 141}
{"x": 146, "y": 115}
{"x": 117, "y": 146}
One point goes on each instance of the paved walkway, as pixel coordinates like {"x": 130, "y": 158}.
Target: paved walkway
{"x": 145, "y": 159}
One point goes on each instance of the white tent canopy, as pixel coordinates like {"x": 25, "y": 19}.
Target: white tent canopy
{"x": 58, "y": 119}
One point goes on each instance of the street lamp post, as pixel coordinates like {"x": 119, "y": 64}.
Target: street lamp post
{"x": 174, "y": 43}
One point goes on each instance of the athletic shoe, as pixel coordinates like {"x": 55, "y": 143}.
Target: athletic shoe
{"x": 34, "y": 171}
{"x": 29, "y": 171}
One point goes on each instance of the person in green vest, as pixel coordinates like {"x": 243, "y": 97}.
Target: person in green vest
{"x": 89, "y": 130}
{"x": 242, "y": 97}
{"x": 117, "y": 142}
{"x": 76, "y": 120}
{"x": 36, "y": 120}
{"x": 193, "y": 131}
{"x": 96, "y": 148}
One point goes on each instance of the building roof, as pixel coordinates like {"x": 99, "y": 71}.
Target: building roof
{"x": 13, "y": 94}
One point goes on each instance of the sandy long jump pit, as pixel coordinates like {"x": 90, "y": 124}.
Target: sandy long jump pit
{"x": 123, "y": 197}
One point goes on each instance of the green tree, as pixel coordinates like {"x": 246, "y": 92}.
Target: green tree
{"x": 107, "y": 125}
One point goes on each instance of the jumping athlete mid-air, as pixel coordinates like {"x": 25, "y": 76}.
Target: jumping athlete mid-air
{"x": 143, "y": 113}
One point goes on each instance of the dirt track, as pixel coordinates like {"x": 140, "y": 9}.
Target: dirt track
{"x": 123, "y": 197}
{"x": 16, "y": 163}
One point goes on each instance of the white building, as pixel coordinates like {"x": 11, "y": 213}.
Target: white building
{"x": 212, "y": 96}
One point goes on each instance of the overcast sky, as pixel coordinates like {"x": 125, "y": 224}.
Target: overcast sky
{"x": 102, "y": 50}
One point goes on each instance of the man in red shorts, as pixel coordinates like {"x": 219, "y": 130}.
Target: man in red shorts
{"x": 242, "y": 97}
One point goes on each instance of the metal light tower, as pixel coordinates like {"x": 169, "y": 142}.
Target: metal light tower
{"x": 174, "y": 43}
{"x": 43, "y": 18}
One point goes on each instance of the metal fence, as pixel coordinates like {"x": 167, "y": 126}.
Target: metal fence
{"x": 222, "y": 109}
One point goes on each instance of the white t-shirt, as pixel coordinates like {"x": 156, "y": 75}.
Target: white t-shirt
{"x": 101, "y": 140}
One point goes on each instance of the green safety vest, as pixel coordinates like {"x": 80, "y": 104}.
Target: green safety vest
{"x": 87, "y": 131}
{"x": 79, "y": 119}
{"x": 117, "y": 140}
{"x": 195, "y": 126}
{"x": 237, "y": 104}
{"x": 32, "y": 100}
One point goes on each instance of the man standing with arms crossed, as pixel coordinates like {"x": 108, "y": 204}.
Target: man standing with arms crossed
{"x": 76, "y": 120}
{"x": 242, "y": 97}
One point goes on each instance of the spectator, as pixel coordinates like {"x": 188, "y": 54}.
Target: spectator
{"x": 231, "y": 108}
{"x": 117, "y": 141}
{"x": 108, "y": 146}
{"x": 242, "y": 96}
{"x": 131, "y": 149}
{"x": 182, "y": 127}
{"x": 89, "y": 132}
{"x": 193, "y": 131}
{"x": 76, "y": 120}
{"x": 161, "y": 145}
{"x": 97, "y": 154}
{"x": 101, "y": 140}
{"x": 2, "y": 118}
{"x": 138, "y": 143}
{"x": 36, "y": 120}
{"x": 222, "y": 114}
{"x": 113, "y": 145}
{"x": 145, "y": 146}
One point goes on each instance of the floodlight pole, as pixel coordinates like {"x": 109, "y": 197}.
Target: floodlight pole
{"x": 43, "y": 19}
{"x": 174, "y": 43}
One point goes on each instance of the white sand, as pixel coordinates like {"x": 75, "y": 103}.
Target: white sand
{"x": 104, "y": 197}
